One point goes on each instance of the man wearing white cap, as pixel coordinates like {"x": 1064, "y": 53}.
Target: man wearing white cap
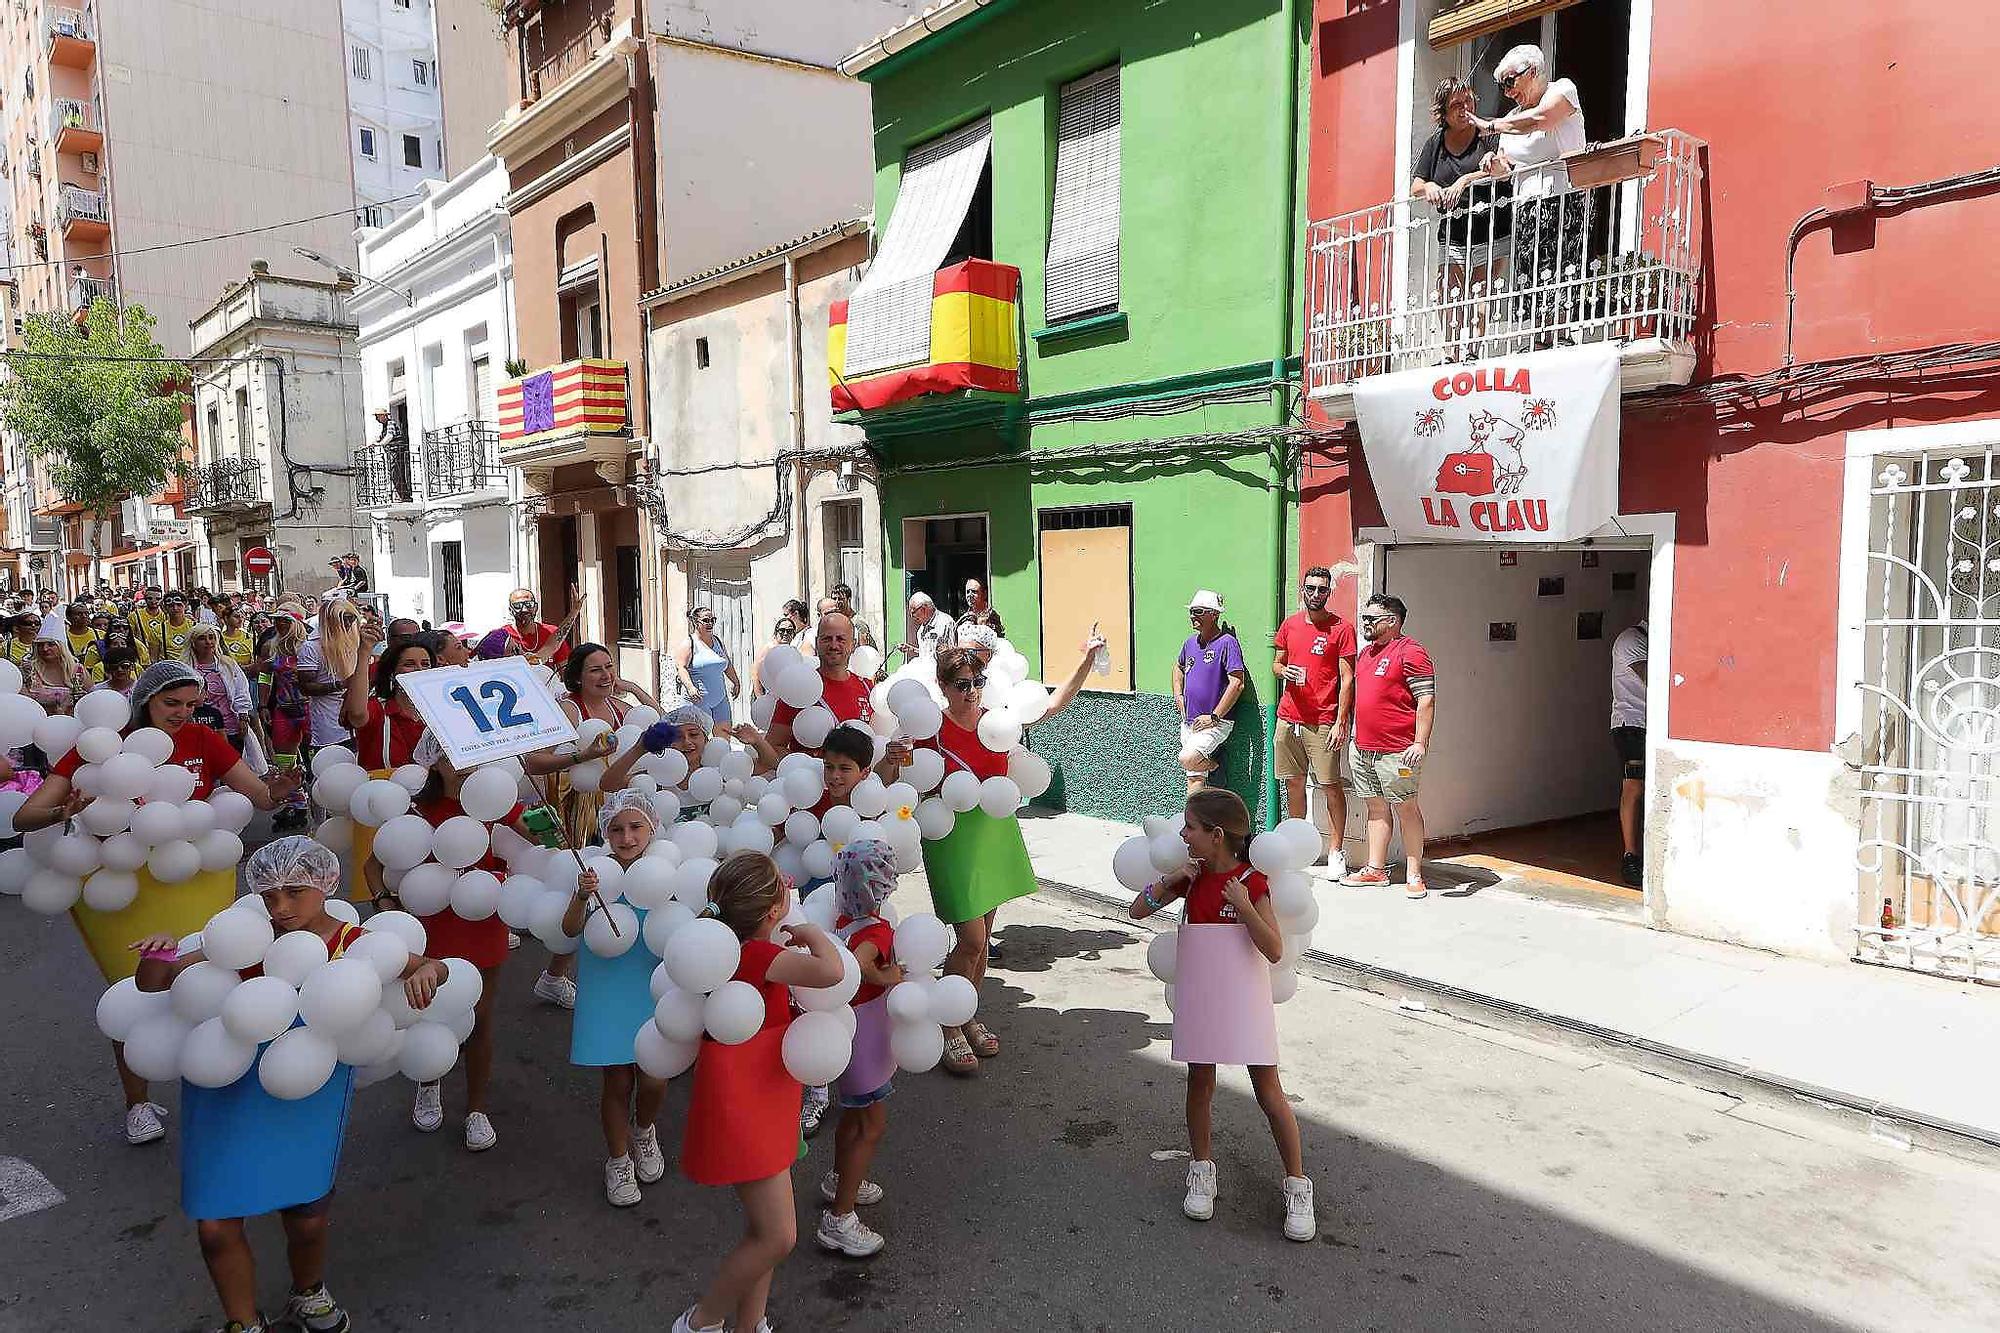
{"x": 1208, "y": 679}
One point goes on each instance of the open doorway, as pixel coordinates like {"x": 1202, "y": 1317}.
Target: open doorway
{"x": 940, "y": 553}
{"x": 1523, "y": 781}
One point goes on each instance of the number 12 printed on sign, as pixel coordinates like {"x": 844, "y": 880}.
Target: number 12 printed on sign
{"x": 506, "y": 706}
{"x": 488, "y": 710}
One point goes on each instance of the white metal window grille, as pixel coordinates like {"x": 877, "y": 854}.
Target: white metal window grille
{"x": 889, "y": 314}
{"x": 1930, "y": 781}
{"x": 363, "y": 67}
{"x": 1082, "y": 270}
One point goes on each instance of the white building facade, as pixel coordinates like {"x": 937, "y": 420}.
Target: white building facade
{"x": 436, "y": 333}
{"x": 393, "y": 99}
{"x": 277, "y": 407}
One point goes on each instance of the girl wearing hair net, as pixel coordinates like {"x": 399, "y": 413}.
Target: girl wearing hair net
{"x": 614, "y": 999}
{"x": 864, "y": 876}
{"x": 245, "y": 1153}
{"x": 483, "y": 943}
{"x": 165, "y": 697}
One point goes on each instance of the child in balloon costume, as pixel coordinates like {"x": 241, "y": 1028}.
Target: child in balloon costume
{"x": 266, "y": 1019}
{"x": 865, "y": 876}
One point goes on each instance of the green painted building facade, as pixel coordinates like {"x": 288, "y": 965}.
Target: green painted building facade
{"x": 1159, "y": 413}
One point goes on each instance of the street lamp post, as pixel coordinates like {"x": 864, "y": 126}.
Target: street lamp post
{"x": 343, "y": 271}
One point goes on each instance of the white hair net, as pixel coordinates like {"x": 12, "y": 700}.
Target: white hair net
{"x": 292, "y": 862}
{"x": 692, "y": 715}
{"x": 618, "y": 802}
{"x": 979, "y": 638}
{"x": 167, "y": 675}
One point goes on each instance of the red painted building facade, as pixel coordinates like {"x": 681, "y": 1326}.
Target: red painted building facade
{"x": 1822, "y": 720}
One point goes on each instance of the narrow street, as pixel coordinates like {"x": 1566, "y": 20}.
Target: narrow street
{"x": 1466, "y": 1178}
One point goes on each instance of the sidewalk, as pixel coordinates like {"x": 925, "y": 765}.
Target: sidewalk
{"x": 1906, "y": 1043}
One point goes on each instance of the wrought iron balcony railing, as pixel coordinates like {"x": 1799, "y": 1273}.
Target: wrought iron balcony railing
{"x": 228, "y": 483}
{"x": 461, "y": 458}
{"x": 385, "y": 475}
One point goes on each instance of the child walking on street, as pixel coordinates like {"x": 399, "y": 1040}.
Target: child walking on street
{"x": 743, "y": 1113}
{"x": 1224, "y": 1014}
{"x": 864, "y": 877}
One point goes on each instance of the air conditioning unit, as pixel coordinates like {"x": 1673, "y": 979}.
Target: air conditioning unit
{"x": 90, "y": 163}
{"x": 847, "y": 482}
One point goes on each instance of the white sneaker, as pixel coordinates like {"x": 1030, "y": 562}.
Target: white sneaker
{"x": 621, "y": 1184}
{"x": 428, "y": 1113}
{"x": 869, "y": 1193}
{"x": 848, "y": 1234}
{"x": 686, "y": 1324}
{"x": 1300, "y": 1224}
{"x": 479, "y": 1135}
{"x": 1200, "y": 1201}
{"x": 142, "y": 1122}
{"x": 552, "y": 989}
{"x": 513, "y": 941}
{"x": 647, "y": 1159}
{"x": 812, "y": 1111}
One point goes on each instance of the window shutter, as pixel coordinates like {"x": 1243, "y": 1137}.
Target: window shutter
{"x": 1082, "y": 271}
{"x": 482, "y": 388}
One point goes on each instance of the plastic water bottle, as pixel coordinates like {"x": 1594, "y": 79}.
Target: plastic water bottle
{"x": 1101, "y": 664}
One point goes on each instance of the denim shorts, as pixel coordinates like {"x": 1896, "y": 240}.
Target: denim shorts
{"x": 880, "y": 1094}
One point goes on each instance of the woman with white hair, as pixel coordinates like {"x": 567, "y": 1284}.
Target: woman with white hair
{"x": 1551, "y": 221}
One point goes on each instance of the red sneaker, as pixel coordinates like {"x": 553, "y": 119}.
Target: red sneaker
{"x": 1368, "y": 877}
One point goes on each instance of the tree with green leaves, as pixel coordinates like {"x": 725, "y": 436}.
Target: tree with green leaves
{"x": 99, "y": 400}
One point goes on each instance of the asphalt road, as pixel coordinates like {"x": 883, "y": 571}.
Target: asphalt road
{"x": 1466, "y": 1179}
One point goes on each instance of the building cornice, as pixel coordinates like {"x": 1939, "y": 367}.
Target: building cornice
{"x": 596, "y": 87}
{"x": 602, "y": 151}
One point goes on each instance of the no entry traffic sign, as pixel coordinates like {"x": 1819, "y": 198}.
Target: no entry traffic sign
{"x": 258, "y": 561}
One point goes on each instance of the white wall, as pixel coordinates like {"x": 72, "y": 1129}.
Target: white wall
{"x": 794, "y": 152}
{"x": 391, "y": 100}
{"x": 1523, "y": 728}
{"x": 820, "y": 33}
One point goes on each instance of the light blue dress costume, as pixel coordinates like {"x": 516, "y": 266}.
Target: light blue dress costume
{"x": 614, "y": 999}
{"x": 710, "y": 668}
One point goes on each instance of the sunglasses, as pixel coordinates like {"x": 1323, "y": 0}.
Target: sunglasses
{"x": 1374, "y": 620}
{"x": 1317, "y": 590}
{"x": 785, "y": 629}
{"x": 1507, "y": 82}
{"x": 968, "y": 684}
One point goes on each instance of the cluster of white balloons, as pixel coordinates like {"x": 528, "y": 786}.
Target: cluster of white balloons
{"x": 1281, "y": 854}
{"x": 306, "y": 1013}
{"x": 139, "y": 816}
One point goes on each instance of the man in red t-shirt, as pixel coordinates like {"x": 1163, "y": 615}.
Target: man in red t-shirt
{"x": 532, "y": 634}
{"x": 846, "y": 694}
{"x": 1394, "y": 705}
{"x": 1315, "y": 658}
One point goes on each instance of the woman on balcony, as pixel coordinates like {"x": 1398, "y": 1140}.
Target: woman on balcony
{"x": 1451, "y": 167}
{"x": 1551, "y": 221}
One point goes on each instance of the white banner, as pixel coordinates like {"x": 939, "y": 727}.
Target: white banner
{"x": 1517, "y": 449}
{"x": 488, "y": 710}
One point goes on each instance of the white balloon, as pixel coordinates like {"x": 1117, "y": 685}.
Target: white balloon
{"x": 1132, "y": 863}
{"x": 406, "y": 928}
{"x": 51, "y": 892}
{"x": 197, "y": 818}
{"x": 219, "y": 849}
{"x": 600, "y": 937}
{"x": 236, "y": 937}
{"x": 371, "y": 1040}
{"x": 704, "y": 785}
{"x": 648, "y": 882}
{"x": 1271, "y": 852}
{"x": 801, "y": 827}
{"x": 660, "y": 924}
{"x": 812, "y": 725}
{"x": 702, "y": 955}
{"x": 123, "y": 851}
{"x": 921, "y": 719}
{"x": 171, "y": 784}
{"x": 924, "y": 771}
{"x": 125, "y": 775}
{"x": 999, "y": 797}
{"x": 669, "y": 766}
{"x": 16, "y": 864}
{"x": 549, "y": 911}
{"x": 75, "y": 854}
{"x": 816, "y": 1048}
{"x": 840, "y": 824}
{"x": 588, "y": 776}
{"x": 917, "y": 1046}
{"x": 680, "y": 1015}
{"x": 661, "y": 1058}
{"x": 1030, "y": 772}
{"x": 934, "y": 818}
{"x": 233, "y": 810}
{"x": 460, "y": 990}
{"x": 773, "y": 808}
{"x": 1284, "y": 984}
{"x": 460, "y": 841}
{"x": 198, "y": 992}
{"x": 691, "y": 879}
{"x": 386, "y": 801}
{"x": 153, "y": 1046}
{"x": 335, "y": 834}
{"x": 799, "y": 687}
{"x": 175, "y": 862}
{"x": 1167, "y": 853}
{"x": 426, "y": 889}
{"x": 922, "y": 941}
{"x": 517, "y": 900}
{"x": 999, "y": 730}
{"x": 124, "y": 1006}
{"x": 734, "y": 1013}
{"x": 12, "y": 801}
{"x": 1162, "y": 955}
{"x": 259, "y": 1009}
{"x": 338, "y": 997}
{"x": 384, "y": 951}
{"x": 297, "y": 954}
{"x": 19, "y": 716}
{"x": 488, "y": 793}
{"x": 107, "y": 815}
{"x": 100, "y": 708}
{"x": 429, "y": 1051}
{"x": 404, "y": 841}
{"x": 154, "y": 823}
{"x": 475, "y": 895}
{"x": 825, "y": 999}
{"x": 960, "y": 791}
{"x": 822, "y": 907}
{"x": 909, "y": 1003}
{"x": 97, "y": 744}
{"x": 954, "y": 1000}
{"x": 818, "y": 859}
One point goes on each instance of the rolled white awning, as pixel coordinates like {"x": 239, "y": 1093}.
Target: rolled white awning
{"x": 889, "y": 314}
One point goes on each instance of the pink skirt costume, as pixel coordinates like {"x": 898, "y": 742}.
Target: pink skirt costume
{"x": 1223, "y": 1012}
{"x": 872, "y": 1064}
{"x": 743, "y": 1114}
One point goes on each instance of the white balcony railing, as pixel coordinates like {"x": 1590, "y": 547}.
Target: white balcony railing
{"x": 81, "y": 205}
{"x": 73, "y": 23}
{"x": 84, "y": 289}
{"x": 71, "y": 113}
{"x": 1403, "y": 286}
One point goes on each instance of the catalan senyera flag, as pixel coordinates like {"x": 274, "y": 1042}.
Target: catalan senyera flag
{"x": 588, "y": 396}
{"x": 975, "y": 341}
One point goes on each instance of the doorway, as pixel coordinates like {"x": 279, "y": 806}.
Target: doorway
{"x": 940, "y": 553}
{"x": 1524, "y": 780}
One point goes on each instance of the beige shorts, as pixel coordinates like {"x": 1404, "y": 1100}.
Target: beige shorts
{"x": 1382, "y": 775}
{"x": 1298, "y": 749}
{"x": 1205, "y": 743}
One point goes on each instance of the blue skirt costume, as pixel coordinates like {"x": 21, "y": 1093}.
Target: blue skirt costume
{"x": 245, "y": 1153}
{"x": 614, "y": 999}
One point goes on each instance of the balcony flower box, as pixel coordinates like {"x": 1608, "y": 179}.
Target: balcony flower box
{"x": 1620, "y": 160}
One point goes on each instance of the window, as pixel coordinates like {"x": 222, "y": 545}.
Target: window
{"x": 214, "y": 431}
{"x": 582, "y": 322}
{"x": 413, "y": 151}
{"x": 420, "y": 70}
{"x": 243, "y": 423}
{"x": 482, "y": 388}
{"x": 1086, "y": 572}
{"x": 1082, "y": 270}
{"x": 367, "y": 143}
{"x": 433, "y": 375}
{"x": 363, "y": 64}
{"x": 451, "y": 582}
{"x": 631, "y": 615}
{"x": 840, "y": 520}
{"x": 701, "y": 354}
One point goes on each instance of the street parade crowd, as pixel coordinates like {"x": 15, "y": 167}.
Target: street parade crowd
{"x": 706, "y": 898}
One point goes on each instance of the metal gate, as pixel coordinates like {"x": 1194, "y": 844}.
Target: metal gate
{"x": 1930, "y": 784}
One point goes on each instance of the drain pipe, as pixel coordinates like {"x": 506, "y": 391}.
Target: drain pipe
{"x": 1281, "y": 397}
{"x": 795, "y": 368}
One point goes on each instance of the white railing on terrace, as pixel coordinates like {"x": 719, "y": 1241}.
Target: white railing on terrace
{"x": 84, "y": 289}
{"x": 83, "y": 205}
{"x": 71, "y": 112}
{"x": 1403, "y": 286}
{"x": 66, "y": 22}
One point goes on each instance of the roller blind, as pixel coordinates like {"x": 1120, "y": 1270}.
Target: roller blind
{"x": 1082, "y": 270}
{"x": 889, "y": 314}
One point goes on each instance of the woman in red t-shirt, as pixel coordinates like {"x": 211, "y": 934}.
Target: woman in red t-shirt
{"x": 743, "y": 1112}
{"x": 1221, "y": 890}
{"x": 386, "y": 725}
{"x": 983, "y": 862}
{"x": 165, "y": 696}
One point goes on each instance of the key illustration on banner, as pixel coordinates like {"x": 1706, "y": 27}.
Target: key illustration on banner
{"x": 488, "y": 710}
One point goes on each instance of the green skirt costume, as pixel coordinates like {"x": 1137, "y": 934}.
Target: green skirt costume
{"x": 982, "y": 863}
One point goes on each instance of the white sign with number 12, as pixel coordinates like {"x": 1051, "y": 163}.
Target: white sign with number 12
{"x": 488, "y": 710}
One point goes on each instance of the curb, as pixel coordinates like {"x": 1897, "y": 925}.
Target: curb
{"x": 1885, "y": 1122}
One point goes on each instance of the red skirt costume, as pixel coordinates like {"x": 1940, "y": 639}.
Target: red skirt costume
{"x": 449, "y": 935}
{"x": 743, "y": 1115}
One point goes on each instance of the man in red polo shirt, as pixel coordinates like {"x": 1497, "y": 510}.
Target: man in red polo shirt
{"x": 533, "y": 635}
{"x": 846, "y": 694}
{"x": 1315, "y": 658}
{"x": 1395, "y": 704}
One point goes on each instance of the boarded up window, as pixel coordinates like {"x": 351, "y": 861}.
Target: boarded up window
{"x": 1086, "y": 560}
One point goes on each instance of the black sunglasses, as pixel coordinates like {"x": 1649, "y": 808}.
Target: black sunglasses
{"x": 1375, "y": 620}
{"x": 1507, "y": 83}
{"x": 969, "y": 684}
{"x": 1317, "y": 590}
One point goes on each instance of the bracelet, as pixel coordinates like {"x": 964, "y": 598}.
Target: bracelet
{"x": 1146, "y": 896}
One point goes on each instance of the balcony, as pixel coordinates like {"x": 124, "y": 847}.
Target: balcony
{"x": 575, "y": 412}
{"x": 463, "y": 460}
{"x": 972, "y": 370}
{"x": 73, "y": 126}
{"x": 34, "y": 159}
{"x": 385, "y": 477}
{"x": 72, "y": 38}
{"x": 83, "y": 214}
{"x": 225, "y": 485}
{"x": 85, "y": 290}
{"x": 1616, "y": 257}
